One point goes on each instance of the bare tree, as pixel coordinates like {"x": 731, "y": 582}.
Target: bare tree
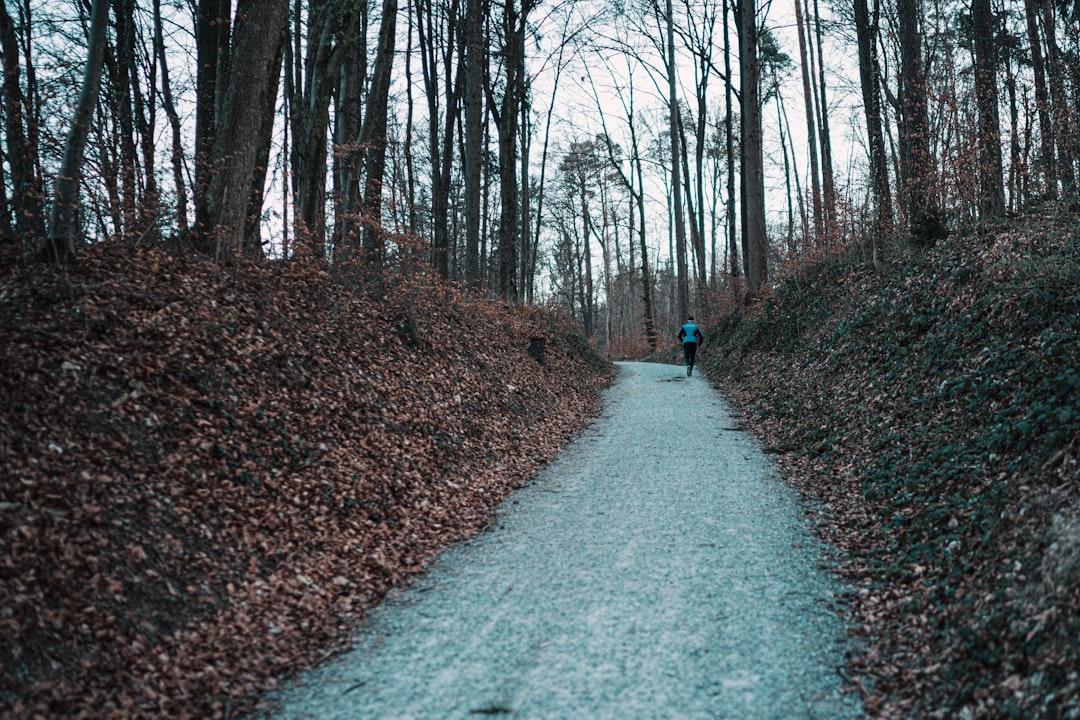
{"x": 915, "y": 162}
{"x": 22, "y": 151}
{"x": 1064, "y": 121}
{"x": 177, "y": 154}
{"x": 331, "y": 29}
{"x": 506, "y": 112}
{"x": 811, "y": 127}
{"x": 869, "y": 75}
{"x": 62, "y": 226}
{"x": 437, "y": 33}
{"x": 348, "y": 153}
{"x": 991, "y": 181}
{"x": 729, "y": 140}
{"x": 753, "y": 170}
{"x": 212, "y": 24}
{"x": 240, "y": 123}
{"x": 828, "y": 180}
{"x": 475, "y": 61}
{"x": 1042, "y": 100}
{"x": 373, "y": 135}
{"x": 683, "y": 300}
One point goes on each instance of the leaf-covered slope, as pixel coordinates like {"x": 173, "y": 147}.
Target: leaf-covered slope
{"x": 934, "y": 412}
{"x": 208, "y": 472}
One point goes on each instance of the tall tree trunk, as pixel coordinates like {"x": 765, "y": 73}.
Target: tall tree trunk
{"x": 212, "y": 21}
{"x": 240, "y": 122}
{"x": 440, "y": 139}
{"x": 646, "y": 277}
{"x": 791, "y": 247}
{"x": 121, "y": 71}
{"x": 253, "y": 246}
{"x": 869, "y": 77}
{"x": 26, "y": 185}
{"x": 474, "y": 59}
{"x": 348, "y": 154}
{"x": 683, "y": 298}
{"x": 991, "y": 182}
{"x": 373, "y": 136}
{"x": 177, "y": 154}
{"x": 811, "y": 127}
{"x": 1042, "y": 101}
{"x": 828, "y": 180}
{"x": 62, "y": 228}
{"x": 804, "y": 218}
{"x": 525, "y": 263}
{"x": 729, "y": 148}
{"x": 915, "y": 167}
{"x": 605, "y": 251}
{"x": 534, "y": 259}
{"x": 1015, "y": 158}
{"x": 697, "y": 240}
{"x": 506, "y": 120}
{"x": 753, "y": 164}
{"x": 1064, "y": 123}
{"x": 411, "y": 222}
{"x": 331, "y": 24}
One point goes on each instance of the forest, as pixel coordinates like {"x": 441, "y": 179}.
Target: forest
{"x": 628, "y": 161}
{"x": 253, "y": 252}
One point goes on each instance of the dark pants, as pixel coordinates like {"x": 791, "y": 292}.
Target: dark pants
{"x": 689, "y": 351}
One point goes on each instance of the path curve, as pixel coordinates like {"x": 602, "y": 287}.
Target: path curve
{"x": 656, "y": 569}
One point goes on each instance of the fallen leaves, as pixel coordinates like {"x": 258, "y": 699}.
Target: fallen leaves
{"x": 209, "y": 473}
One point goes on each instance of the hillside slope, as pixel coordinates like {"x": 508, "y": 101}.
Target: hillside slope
{"x": 934, "y": 414}
{"x": 208, "y": 473}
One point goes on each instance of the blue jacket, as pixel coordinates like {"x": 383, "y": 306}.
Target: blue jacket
{"x": 690, "y": 333}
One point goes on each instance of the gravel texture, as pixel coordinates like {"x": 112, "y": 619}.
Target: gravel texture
{"x": 657, "y": 569}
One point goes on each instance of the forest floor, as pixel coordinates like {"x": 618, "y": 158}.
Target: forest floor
{"x": 932, "y": 412}
{"x": 209, "y": 473}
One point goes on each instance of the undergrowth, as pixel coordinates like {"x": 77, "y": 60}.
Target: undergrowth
{"x": 935, "y": 410}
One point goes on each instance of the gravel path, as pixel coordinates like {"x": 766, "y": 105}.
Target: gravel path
{"x": 657, "y": 569}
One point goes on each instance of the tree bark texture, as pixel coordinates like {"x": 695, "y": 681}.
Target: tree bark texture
{"x": 348, "y": 154}
{"x": 991, "y": 181}
{"x": 373, "y": 136}
{"x": 212, "y": 25}
{"x": 915, "y": 166}
{"x": 1064, "y": 125}
{"x": 475, "y": 69}
{"x": 239, "y": 123}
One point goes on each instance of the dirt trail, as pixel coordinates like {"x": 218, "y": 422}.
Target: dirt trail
{"x": 657, "y": 569}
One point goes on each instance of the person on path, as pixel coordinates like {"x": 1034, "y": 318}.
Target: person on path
{"x": 690, "y": 334}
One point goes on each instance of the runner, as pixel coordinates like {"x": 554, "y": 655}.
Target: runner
{"x": 690, "y": 334}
